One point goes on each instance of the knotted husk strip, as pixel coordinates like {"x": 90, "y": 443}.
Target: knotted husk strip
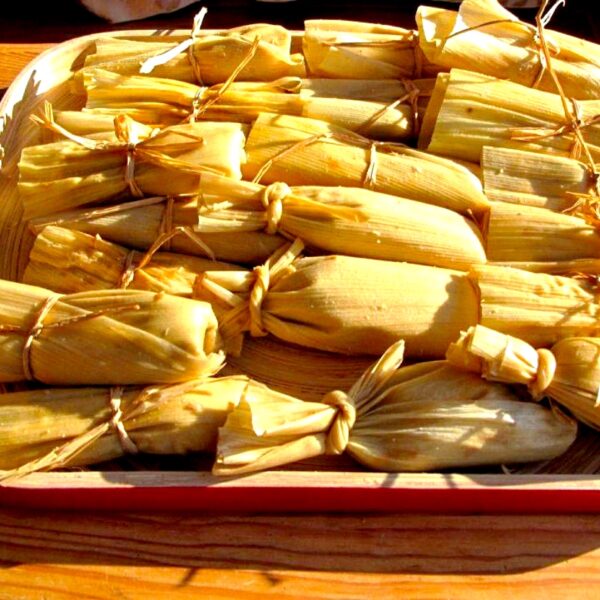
{"x": 300, "y": 372}
{"x": 81, "y": 171}
{"x": 527, "y": 233}
{"x": 351, "y": 221}
{"x": 53, "y": 428}
{"x": 344, "y": 304}
{"x": 532, "y": 178}
{"x": 139, "y": 223}
{"x": 484, "y": 37}
{"x": 468, "y": 111}
{"x": 104, "y": 337}
{"x": 351, "y": 49}
{"x": 303, "y": 151}
{"x": 568, "y": 373}
{"x": 424, "y": 417}
{"x": 209, "y": 60}
{"x": 536, "y": 307}
{"x": 69, "y": 261}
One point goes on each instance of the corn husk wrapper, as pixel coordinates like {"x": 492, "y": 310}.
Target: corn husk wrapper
{"x": 423, "y": 417}
{"x": 139, "y": 223}
{"x": 165, "y": 101}
{"x": 582, "y": 268}
{"x": 46, "y": 429}
{"x": 532, "y": 178}
{"x": 69, "y": 261}
{"x": 210, "y": 59}
{"x": 74, "y": 339}
{"x": 468, "y": 111}
{"x": 568, "y": 373}
{"x": 351, "y": 49}
{"x": 527, "y": 233}
{"x": 68, "y": 174}
{"x": 351, "y": 221}
{"x": 300, "y": 372}
{"x": 343, "y": 304}
{"x": 304, "y": 151}
{"x": 506, "y": 48}
{"x": 536, "y": 307}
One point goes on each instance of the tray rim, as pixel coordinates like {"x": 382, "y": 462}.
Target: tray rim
{"x": 283, "y": 491}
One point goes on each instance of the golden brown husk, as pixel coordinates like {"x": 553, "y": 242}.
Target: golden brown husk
{"x": 158, "y": 338}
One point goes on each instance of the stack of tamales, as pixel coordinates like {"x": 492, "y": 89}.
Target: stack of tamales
{"x": 227, "y": 200}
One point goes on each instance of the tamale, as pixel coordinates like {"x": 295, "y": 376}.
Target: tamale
{"x": 568, "y": 373}
{"x": 165, "y": 101}
{"x": 81, "y": 171}
{"x": 423, "y": 417}
{"x": 351, "y": 221}
{"x": 527, "y": 233}
{"x": 139, "y": 223}
{"x": 343, "y": 304}
{"x": 207, "y": 58}
{"x": 484, "y": 37}
{"x": 351, "y": 49}
{"x": 535, "y": 307}
{"x": 104, "y": 337}
{"x": 303, "y": 151}
{"x": 532, "y": 178}
{"x": 468, "y": 111}
{"x": 69, "y": 261}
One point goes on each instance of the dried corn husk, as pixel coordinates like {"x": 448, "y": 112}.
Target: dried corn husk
{"x": 535, "y": 307}
{"x": 351, "y": 49}
{"x": 423, "y": 417}
{"x": 207, "y": 58}
{"x": 295, "y": 371}
{"x": 69, "y": 261}
{"x": 81, "y": 171}
{"x": 569, "y": 372}
{"x": 468, "y": 111}
{"x": 484, "y": 37}
{"x": 139, "y": 223}
{"x": 527, "y": 233}
{"x": 304, "y": 151}
{"x": 74, "y": 339}
{"x": 350, "y": 221}
{"x": 47, "y": 429}
{"x": 532, "y": 178}
{"x": 343, "y": 304}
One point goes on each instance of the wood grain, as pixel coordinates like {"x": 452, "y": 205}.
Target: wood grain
{"x": 14, "y": 58}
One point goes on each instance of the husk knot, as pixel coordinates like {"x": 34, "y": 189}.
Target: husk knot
{"x": 339, "y": 432}
{"x": 272, "y": 199}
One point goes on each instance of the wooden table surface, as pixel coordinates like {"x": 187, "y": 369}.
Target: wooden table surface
{"x": 161, "y": 555}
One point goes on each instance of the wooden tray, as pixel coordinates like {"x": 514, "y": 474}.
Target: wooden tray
{"x": 46, "y": 78}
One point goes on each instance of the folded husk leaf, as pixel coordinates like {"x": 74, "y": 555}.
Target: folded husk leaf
{"x": 69, "y": 261}
{"x": 568, "y": 373}
{"x": 506, "y": 48}
{"x": 468, "y": 111}
{"x": 351, "y": 221}
{"x": 423, "y": 417}
{"x": 344, "y": 304}
{"x": 303, "y": 151}
{"x": 532, "y": 178}
{"x": 67, "y": 174}
{"x": 157, "y": 338}
{"x": 139, "y": 223}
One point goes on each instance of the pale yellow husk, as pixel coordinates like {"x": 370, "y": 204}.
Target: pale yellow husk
{"x": 322, "y": 154}
{"x": 468, "y": 111}
{"x": 507, "y": 49}
{"x": 69, "y": 261}
{"x": 157, "y": 338}
{"x": 423, "y": 417}
{"x": 568, "y": 373}
{"x": 351, "y": 221}
{"x": 532, "y": 178}
{"x": 139, "y": 223}
{"x": 68, "y": 174}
